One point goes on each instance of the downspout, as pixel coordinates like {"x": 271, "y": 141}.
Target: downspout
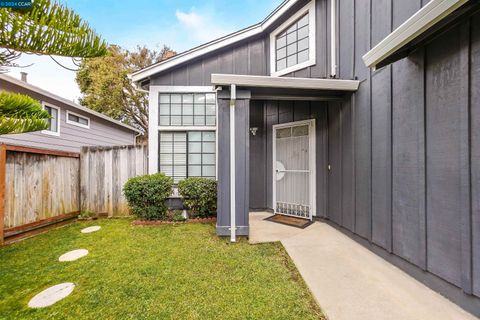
{"x": 233, "y": 227}
{"x": 333, "y": 38}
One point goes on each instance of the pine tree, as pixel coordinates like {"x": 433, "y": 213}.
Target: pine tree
{"x": 47, "y": 28}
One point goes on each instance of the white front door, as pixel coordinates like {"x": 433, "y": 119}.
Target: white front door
{"x": 294, "y": 169}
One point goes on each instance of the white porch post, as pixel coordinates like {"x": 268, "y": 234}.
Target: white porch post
{"x": 233, "y": 227}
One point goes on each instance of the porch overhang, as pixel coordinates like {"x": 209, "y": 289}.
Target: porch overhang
{"x": 288, "y": 88}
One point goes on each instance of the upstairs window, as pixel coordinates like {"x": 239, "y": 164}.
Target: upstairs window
{"x": 187, "y": 109}
{"x": 292, "y": 45}
{"x": 54, "y": 121}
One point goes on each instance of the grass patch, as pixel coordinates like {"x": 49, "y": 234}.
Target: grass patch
{"x": 162, "y": 272}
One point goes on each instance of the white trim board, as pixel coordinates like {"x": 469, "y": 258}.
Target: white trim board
{"x": 285, "y": 82}
{"x": 307, "y": 9}
{"x": 214, "y": 45}
{"x": 424, "y": 19}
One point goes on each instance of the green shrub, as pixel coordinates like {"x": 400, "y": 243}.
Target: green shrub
{"x": 146, "y": 195}
{"x": 200, "y": 195}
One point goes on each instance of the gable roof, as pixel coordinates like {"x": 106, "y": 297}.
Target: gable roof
{"x": 215, "y": 44}
{"x": 43, "y": 92}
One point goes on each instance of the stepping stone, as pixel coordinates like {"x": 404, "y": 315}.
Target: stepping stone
{"x": 91, "y": 229}
{"x": 73, "y": 255}
{"x": 51, "y": 295}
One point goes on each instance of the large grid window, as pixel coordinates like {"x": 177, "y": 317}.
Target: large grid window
{"x": 187, "y": 154}
{"x": 187, "y": 109}
{"x": 292, "y": 45}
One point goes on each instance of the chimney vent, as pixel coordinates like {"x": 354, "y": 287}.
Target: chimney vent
{"x": 23, "y": 76}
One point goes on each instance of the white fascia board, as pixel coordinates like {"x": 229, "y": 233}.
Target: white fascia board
{"x": 213, "y": 45}
{"x": 425, "y": 18}
{"x": 285, "y": 82}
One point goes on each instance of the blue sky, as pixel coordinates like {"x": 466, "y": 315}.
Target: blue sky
{"x": 178, "y": 24}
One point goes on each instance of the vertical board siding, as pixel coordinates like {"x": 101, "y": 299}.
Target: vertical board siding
{"x": 242, "y": 182}
{"x": 475, "y": 153}
{"x": 334, "y": 211}
{"x": 381, "y": 158}
{"x": 381, "y": 133}
{"x": 258, "y": 168}
{"x": 363, "y": 127}
{"x": 39, "y": 186}
{"x": 104, "y": 171}
{"x": 447, "y": 156}
{"x": 408, "y": 160}
{"x": 348, "y": 165}
{"x": 415, "y": 149}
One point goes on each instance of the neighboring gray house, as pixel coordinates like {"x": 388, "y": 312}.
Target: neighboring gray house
{"x": 362, "y": 112}
{"x": 71, "y": 126}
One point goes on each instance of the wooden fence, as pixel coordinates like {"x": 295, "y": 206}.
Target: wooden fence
{"x": 40, "y": 187}
{"x": 104, "y": 171}
{"x": 36, "y": 186}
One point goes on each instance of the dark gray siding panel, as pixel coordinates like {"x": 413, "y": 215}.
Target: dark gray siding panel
{"x": 319, "y": 112}
{"x": 381, "y": 159}
{"x": 348, "y": 165}
{"x": 475, "y": 155}
{"x": 447, "y": 153}
{"x": 363, "y": 126}
{"x": 335, "y": 161}
{"x": 408, "y": 160}
{"x": 242, "y": 111}
{"x": 271, "y": 111}
{"x": 346, "y": 44}
{"x": 258, "y": 163}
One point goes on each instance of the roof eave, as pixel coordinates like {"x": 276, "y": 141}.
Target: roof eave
{"x": 214, "y": 45}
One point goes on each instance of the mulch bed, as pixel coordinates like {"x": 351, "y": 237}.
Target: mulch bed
{"x": 162, "y": 222}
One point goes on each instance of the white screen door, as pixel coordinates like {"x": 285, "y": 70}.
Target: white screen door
{"x": 294, "y": 169}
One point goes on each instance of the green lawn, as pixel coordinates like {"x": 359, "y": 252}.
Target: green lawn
{"x": 158, "y": 272}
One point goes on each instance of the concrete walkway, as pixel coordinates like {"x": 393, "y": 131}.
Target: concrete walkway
{"x": 350, "y": 282}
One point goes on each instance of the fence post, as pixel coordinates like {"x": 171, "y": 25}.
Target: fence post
{"x": 3, "y": 164}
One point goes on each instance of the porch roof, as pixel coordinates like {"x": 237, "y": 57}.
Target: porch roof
{"x": 266, "y": 87}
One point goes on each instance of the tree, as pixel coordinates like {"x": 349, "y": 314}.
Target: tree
{"x": 46, "y": 28}
{"x": 21, "y": 113}
{"x": 106, "y": 88}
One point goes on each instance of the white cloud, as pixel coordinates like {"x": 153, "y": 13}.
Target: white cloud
{"x": 48, "y": 75}
{"x": 201, "y": 27}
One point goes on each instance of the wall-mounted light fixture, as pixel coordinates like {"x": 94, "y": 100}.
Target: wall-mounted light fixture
{"x": 254, "y": 131}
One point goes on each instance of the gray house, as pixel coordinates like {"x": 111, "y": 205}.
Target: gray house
{"x": 71, "y": 126}
{"x": 363, "y": 113}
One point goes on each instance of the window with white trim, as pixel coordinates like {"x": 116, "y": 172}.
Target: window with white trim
{"x": 187, "y": 109}
{"x": 185, "y": 141}
{"x": 187, "y": 154}
{"x": 292, "y": 45}
{"x": 53, "y": 121}
{"x": 78, "y": 120}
